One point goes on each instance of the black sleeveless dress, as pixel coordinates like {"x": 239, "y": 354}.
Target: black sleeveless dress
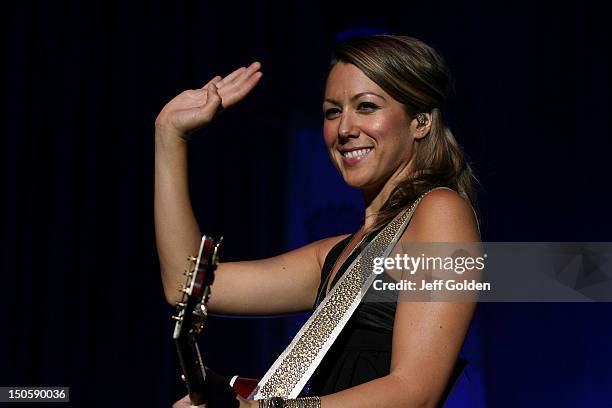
{"x": 362, "y": 351}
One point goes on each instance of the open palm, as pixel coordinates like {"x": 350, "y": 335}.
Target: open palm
{"x": 196, "y": 108}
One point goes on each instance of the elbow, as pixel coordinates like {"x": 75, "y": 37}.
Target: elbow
{"x": 429, "y": 403}
{"x": 172, "y": 296}
{"x": 172, "y": 291}
{"x": 415, "y": 395}
{"x": 422, "y": 401}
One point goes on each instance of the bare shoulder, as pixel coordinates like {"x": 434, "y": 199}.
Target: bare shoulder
{"x": 443, "y": 216}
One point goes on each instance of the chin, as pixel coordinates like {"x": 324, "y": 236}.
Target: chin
{"x": 358, "y": 182}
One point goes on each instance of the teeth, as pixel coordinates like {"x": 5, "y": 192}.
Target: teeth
{"x": 356, "y": 153}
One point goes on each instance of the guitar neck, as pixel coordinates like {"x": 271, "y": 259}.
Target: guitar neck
{"x": 190, "y": 320}
{"x": 192, "y": 367}
{"x": 191, "y": 317}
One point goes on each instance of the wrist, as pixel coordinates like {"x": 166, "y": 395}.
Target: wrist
{"x": 168, "y": 139}
{"x": 278, "y": 402}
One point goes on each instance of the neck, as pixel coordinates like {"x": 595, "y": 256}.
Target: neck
{"x": 375, "y": 197}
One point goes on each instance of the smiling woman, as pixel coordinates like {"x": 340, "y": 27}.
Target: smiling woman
{"x": 384, "y": 133}
{"x": 366, "y": 131}
{"x": 399, "y": 85}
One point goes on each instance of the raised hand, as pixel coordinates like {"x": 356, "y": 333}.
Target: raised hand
{"x": 196, "y": 108}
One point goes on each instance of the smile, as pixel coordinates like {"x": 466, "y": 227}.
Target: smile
{"x": 355, "y": 156}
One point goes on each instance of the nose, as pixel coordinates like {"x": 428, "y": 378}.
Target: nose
{"x": 347, "y": 128}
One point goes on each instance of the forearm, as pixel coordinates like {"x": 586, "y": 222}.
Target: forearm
{"x": 176, "y": 230}
{"x": 386, "y": 392}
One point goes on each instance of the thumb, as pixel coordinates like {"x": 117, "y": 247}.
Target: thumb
{"x": 213, "y": 100}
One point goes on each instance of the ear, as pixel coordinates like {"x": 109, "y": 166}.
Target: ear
{"x": 421, "y": 124}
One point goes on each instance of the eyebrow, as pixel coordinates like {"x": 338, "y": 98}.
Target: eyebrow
{"x": 356, "y": 96}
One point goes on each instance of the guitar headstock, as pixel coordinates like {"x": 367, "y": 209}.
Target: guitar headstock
{"x": 192, "y": 310}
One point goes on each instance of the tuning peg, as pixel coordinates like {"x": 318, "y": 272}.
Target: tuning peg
{"x": 181, "y": 304}
{"x": 190, "y": 274}
{"x": 192, "y": 258}
{"x": 178, "y": 318}
{"x": 183, "y": 377}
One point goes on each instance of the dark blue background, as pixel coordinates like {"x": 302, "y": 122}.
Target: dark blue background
{"x": 82, "y": 302}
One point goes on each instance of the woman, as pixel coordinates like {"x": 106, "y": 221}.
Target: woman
{"x": 384, "y": 133}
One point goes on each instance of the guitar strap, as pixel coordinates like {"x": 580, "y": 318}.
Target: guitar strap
{"x": 296, "y": 364}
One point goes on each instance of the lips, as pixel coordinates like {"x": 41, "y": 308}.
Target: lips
{"x": 354, "y": 156}
{"x": 356, "y": 153}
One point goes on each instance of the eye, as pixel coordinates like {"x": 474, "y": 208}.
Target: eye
{"x": 331, "y": 113}
{"x": 367, "y": 106}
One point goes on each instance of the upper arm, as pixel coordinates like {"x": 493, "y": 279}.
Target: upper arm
{"x": 427, "y": 336}
{"x": 442, "y": 216}
{"x": 282, "y": 284}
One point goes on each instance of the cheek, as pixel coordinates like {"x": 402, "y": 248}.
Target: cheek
{"x": 383, "y": 126}
{"x": 392, "y": 132}
{"x": 329, "y": 135}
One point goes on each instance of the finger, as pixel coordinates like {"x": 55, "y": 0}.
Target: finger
{"x": 250, "y": 83}
{"x": 255, "y": 66}
{"x": 237, "y": 78}
{"x": 213, "y": 101}
{"x": 229, "y": 78}
{"x": 239, "y": 92}
{"x": 215, "y": 80}
{"x": 246, "y": 75}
